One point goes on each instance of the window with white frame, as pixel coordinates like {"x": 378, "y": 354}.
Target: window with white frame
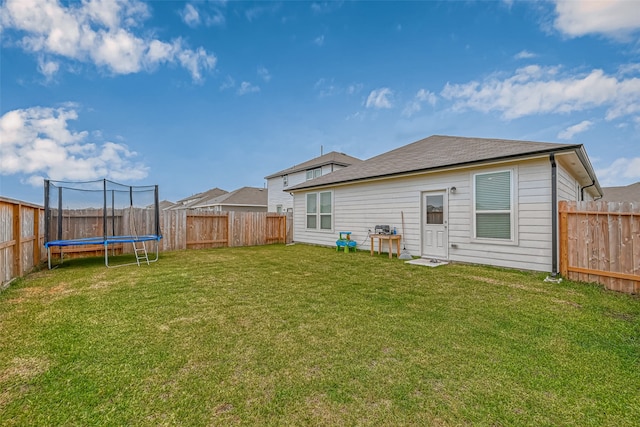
{"x": 320, "y": 210}
{"x": 314, "y": 173}
{"x": 493, "y": 205}
{"x": 285, "y": 180}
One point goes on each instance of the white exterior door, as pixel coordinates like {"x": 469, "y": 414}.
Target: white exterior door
{"x": 435, "y": 232}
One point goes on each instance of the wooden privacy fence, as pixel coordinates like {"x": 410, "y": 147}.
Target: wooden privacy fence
{"x": 600, "y": 242}
{"x": 21, "y": 238}
{"x": 183, "y": 229}
{"x": 22, "y": 231}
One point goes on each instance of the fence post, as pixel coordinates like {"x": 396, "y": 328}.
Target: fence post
{"x": 36, "y": 233}
{"x": 564, "y": 240}
{"x": 17, "y": 237}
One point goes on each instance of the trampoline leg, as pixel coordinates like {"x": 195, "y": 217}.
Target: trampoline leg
{"x": 49, "y": 256}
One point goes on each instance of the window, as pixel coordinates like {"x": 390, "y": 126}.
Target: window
{"x": 279, "y": 209}
{"x": 314, "y": 173}
{"x": 493, "y": 205}
{"x": 285, "y": 180}
{"x": 319, "y": 210}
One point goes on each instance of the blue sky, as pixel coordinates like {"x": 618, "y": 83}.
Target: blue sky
{"x": 195, "y": 95}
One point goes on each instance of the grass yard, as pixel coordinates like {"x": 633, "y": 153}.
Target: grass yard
{"x": 303, "y": 335}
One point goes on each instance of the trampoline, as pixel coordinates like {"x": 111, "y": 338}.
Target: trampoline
{"x": 104, "y": 214}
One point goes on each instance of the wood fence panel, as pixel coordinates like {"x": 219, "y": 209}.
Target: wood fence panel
{"x": 600, "y": 242}
{"x": 626, "y": 248}
{"x": 614, "y": 246}
{"x": 21, "y": 234}
{"x": 22, "y": 231}
{"x": 6, "y": 241}
{"x": 173, "y": 226}
{"x": 206, "y": 230}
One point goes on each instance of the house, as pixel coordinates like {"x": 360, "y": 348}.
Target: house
{"x": 277, "y": 183}
{"x": 475, "y": 200}
{"x": 245, "y": 199}
{"x": 629, "y": 193}
{"x": 190, "y": 201}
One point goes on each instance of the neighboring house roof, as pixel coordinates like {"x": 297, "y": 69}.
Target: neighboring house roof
{"x": 196, "y": 199}
{"x": 165, "y": 204}
{"x": 330, "y": 158}
{"x": 245, "y": 196}
{"x": 628, "y": 193}
{"x": 440, "y": 152}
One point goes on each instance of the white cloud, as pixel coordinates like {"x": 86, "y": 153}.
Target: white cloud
{"x": 210, "y": 13}
{"x": 571, "y": 131}
{"x": 615, "y": 18}
{"x": 328, "y": 87}
{"x": 264, "y": 74}
{"x": 246, "y": 87}
{"x": 421, "y": 97}
{"x": 196, "y": 61}
{"x": 48, "y": 68}
{"x": 319, "y": 41}
{"x": 215, "y": 18}
{"x": 228, "y": 83}
{"x": 524, "y": 54}
{"x": 37, "y": 142}
{"x": 101, "y": 32}
{"x": 190, "y": 15}
{"x": 537, "y": 90}
{"x": 621, "y": 172}
{"x": 380, "y": 98}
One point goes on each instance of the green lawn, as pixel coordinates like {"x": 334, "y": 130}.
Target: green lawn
{"x": 303, "y": 335}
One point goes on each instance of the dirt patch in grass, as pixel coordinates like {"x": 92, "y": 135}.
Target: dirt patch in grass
{"x": 14, "y": 378}
{"x": 24, "y": 368}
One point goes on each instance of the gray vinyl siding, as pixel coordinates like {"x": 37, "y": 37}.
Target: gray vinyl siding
{"x": 359, "y": 207}
{"x": 568, "y": 187}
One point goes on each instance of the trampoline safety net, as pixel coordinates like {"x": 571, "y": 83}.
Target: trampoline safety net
{"x": 100, "y": 212}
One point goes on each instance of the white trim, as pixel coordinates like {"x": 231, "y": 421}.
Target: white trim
{"x": 319, "y": 214}
{"x": 513, "y": 211}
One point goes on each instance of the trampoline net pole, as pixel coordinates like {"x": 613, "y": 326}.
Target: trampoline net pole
{"x": 59, "y": 213}
{"x": 47, "y": 213}
{"x": 104, "y": 211}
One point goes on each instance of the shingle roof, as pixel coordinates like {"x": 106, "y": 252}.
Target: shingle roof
{"x": 434, "y": 152}
{"x": 629, "y": 193}
{"x": 245, "y": 196}
{"x": 330, "y": 158}
{"x": 198, "y": 198}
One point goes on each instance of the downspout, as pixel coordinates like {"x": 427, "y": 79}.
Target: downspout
{"x": 593, "y": 182}
{"x": 554, "y": 217}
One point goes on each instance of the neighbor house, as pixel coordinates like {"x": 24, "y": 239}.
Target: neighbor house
{"x": 194, "y": 199}
{"x": 280, "y": 200}
{"x": 475, "y": 200}
{"x": 245, "y": 199}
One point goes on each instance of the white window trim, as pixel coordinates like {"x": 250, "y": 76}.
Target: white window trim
{"x": 315, "y": 173}
{"x": 285, "y": 181}
{"x": 318, "y": 213}
{"x": 513, "y": 211}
